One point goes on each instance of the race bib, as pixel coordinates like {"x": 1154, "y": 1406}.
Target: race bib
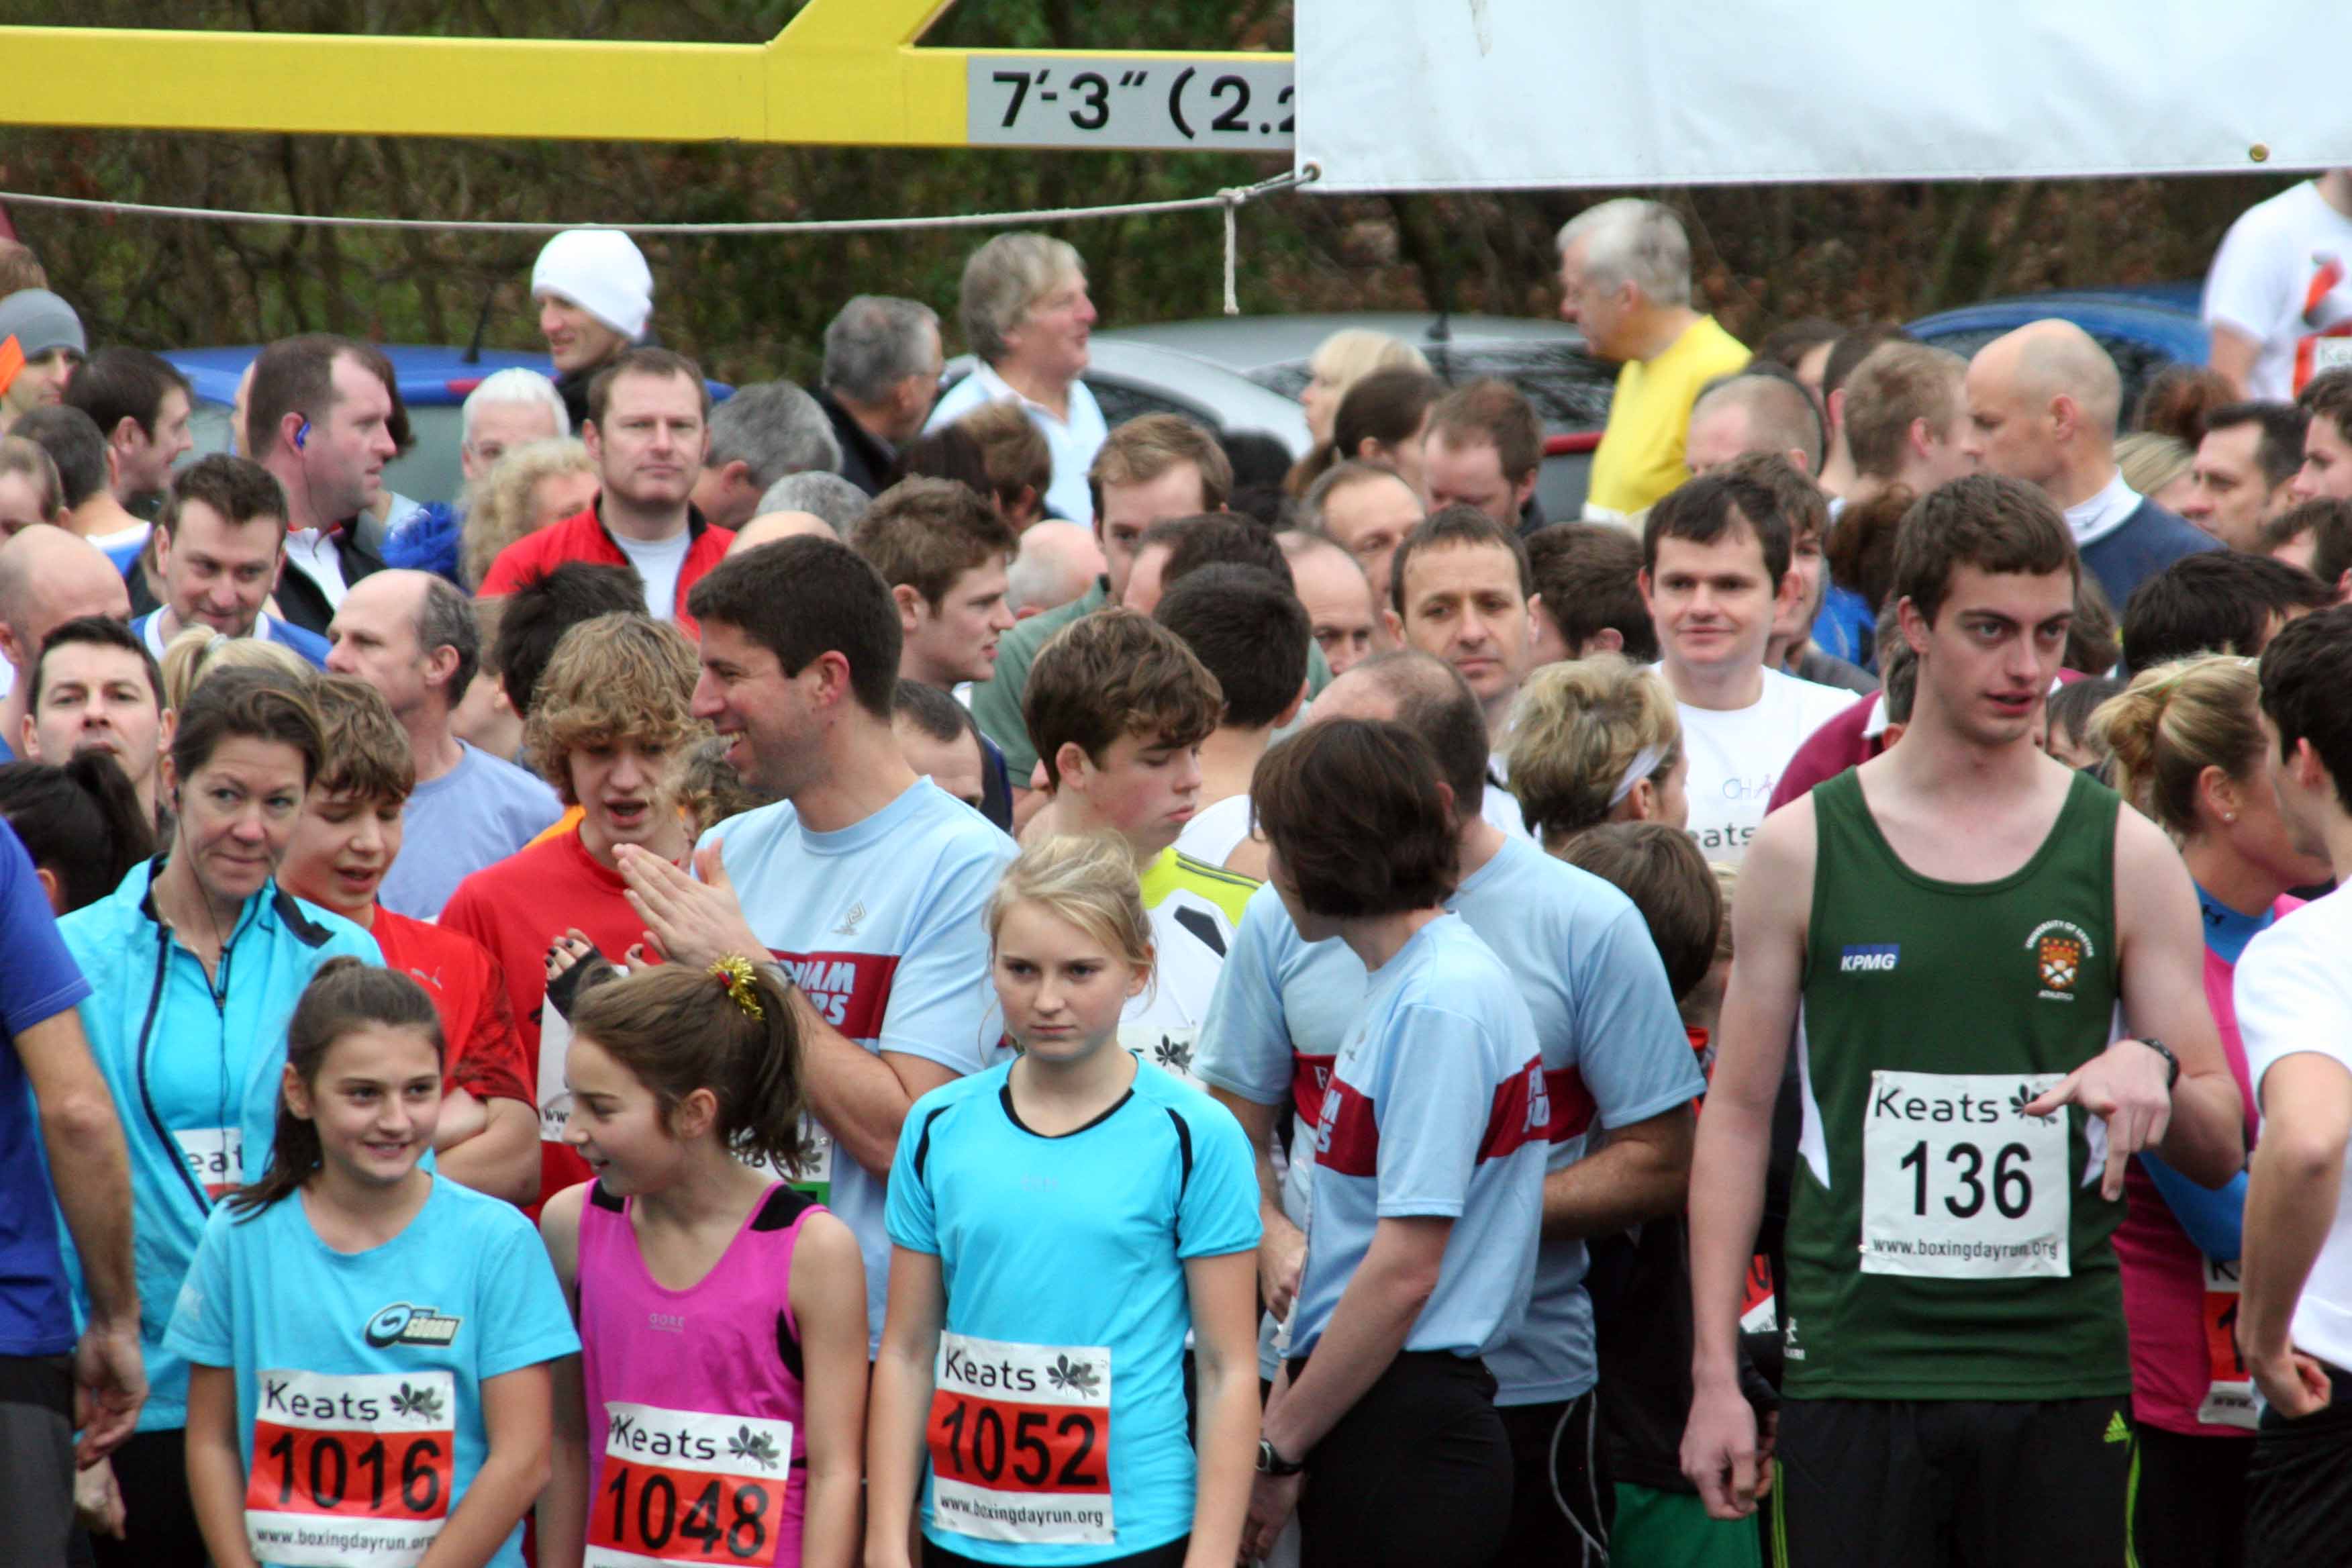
{"x": 2230, "y": 1390}
{"x": 816, "y": 1177}
{"x": 1958, "y": 1183}
{"x": 682, "y": 1487}
{"x": 215, "y": 1157}
{"x": 1020, "y": 1442}
{"x": 1168, "y": 1047}
{"x": 554, "y": 1094}
{"x": 350, "y": 1472}
{"x": 2330, "y": 351}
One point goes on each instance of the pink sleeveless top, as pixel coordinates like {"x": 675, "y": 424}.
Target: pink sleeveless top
{"x": 695, "y": 1447}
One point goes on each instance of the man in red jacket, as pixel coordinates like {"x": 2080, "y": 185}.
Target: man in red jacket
{"x": 648, "y": 433}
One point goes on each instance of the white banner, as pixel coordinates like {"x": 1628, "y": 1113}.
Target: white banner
{"x": 1495, "y": 94}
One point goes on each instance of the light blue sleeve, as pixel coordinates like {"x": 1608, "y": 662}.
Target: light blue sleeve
{"x": 2214, "y": 1218}
{"x": 1244, "y": 1045}
{"x": 942, "y": 1003}
{"x": 1219, "y": 1212}
{"x": 1433, "y": 1107}
{"x": 203, "y": 1330}
{"x": 906, "y": 1213}
{"x": 1633, "y": 1055}
{"x": 519, "y": 1301}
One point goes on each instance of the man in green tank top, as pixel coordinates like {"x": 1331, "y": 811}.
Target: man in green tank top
{"x": 1956, "y": 935}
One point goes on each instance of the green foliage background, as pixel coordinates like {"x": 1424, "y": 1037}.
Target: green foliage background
{"x": 758, "y": 306}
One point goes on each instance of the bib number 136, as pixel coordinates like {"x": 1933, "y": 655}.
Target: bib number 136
{"x": 1959, "y": 1183}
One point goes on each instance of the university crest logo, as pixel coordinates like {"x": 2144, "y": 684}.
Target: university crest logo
{"x": 2060, "y": 949}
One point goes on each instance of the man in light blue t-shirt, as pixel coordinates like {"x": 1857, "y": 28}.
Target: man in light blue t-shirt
{"x": 413, "y": 637}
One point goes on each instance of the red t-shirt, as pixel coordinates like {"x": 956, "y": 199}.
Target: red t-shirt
{"x": 516, "y": 908}
{"x": 485, "y": 1054}
{"x": 582, "y": 536}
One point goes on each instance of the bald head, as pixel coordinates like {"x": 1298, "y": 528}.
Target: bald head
{"x": 1340, "y": 610}
{"x": 770, "y": 527}
{"x": 1427, "y": 696}
{"x": 1752, "y": 412}
{"x": 1058, "y": 562}
{"x": 48, "y": 576}
{"x": 2042, "y": 404}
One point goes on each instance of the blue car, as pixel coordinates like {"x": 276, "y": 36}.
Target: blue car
{"x": 2144, "y": 328}
{"x": 433, "y": 382}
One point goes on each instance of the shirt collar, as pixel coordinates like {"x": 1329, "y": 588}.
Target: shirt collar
{"x": 2094, "y": 520}
{"x": 999, "y": 389}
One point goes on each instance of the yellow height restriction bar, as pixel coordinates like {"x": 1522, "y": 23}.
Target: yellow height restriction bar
{"x": 842, "y": 72}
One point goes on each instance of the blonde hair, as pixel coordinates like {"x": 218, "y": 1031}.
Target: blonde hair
{"x": 503, "y": 506}
{"x": 1085, "y": 880}
{"x": 2150, "y": 461}
{"x": 2173, "y": 722}
{"x": 1347, "y": 356}
{"x": 199, "y": 651}
{"x": 1576, "y": 727}
{"x": 616, "y": 677}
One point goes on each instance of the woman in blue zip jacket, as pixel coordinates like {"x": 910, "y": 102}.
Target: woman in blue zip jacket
{"x": 195, "y": 964}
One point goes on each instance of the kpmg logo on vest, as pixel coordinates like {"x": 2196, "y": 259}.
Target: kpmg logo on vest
{"x": 1880, "y": 956}
{"x": 2059, "y": 949}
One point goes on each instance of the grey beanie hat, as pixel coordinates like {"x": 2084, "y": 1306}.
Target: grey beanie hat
{"x": 40, "y": 321}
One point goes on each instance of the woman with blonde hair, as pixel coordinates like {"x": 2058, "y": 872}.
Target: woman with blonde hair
{"x": 2187, "y": 740}
{"x": 199, "y": 651}
{"x": 1594, "y": 741}
{"x": 532, "y": 486}
{"x": 1339, "y": 363}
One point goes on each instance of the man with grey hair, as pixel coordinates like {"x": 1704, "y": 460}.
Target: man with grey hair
{"x": 764, "y": 432}
{"x": 1754, "y": 412}
{"x": 882, "y": 366}
{"x": 819, "y": 494}
{"x": 1025, "y": 314}
{"x": 507, "y": 409}
{"x": 2043, "y": 406}
{"x": 1057, "y": 562}
{"x": 413, "y": 637}
{"x": 1624, "y": 280}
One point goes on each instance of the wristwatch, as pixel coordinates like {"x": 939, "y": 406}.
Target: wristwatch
{"x": 2172, "y": 1062}
{"x": 1270, "y": 1463}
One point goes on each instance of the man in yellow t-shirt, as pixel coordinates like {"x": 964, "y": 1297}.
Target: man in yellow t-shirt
{"x": 1624, "y": 279}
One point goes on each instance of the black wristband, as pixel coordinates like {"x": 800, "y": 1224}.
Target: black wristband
{"x": 2172, "y": 1062}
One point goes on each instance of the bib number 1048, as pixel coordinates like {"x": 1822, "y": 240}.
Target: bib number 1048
{"x": 1959, "y": 1183}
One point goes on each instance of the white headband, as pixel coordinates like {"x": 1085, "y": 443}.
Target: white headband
{"x": 1645, "y": 762}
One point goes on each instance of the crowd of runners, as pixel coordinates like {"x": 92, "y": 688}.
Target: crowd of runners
{"x": 855, "y": 974}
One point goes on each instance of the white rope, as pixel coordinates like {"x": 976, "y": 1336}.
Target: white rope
{"x": 1227, "y": 199}
{"x": 1233, "y": 200}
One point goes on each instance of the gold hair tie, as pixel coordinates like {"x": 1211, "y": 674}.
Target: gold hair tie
{"x": 734, "y": 972}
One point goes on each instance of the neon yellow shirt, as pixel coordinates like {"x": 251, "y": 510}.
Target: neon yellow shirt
{"x": 1641, "y": 454}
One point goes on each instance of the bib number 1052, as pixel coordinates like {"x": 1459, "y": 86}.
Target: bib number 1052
{"x": 1959, "y": 1183}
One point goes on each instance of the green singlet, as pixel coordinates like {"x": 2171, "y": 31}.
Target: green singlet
{"x": 1942, "y": 1245}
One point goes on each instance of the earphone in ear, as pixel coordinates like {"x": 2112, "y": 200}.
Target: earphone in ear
{"x": 301, "y": 434}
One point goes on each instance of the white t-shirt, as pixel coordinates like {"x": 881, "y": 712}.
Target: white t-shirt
{"x": 1737, "y": 756}
{"x": 658, "y": 561}
{"x": 1216, "y": 830}
{"x": 2294, "y": 994}
{"x": 2283, "y": 275}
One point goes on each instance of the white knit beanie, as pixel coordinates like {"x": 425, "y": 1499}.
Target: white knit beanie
{"x": 602, "y": 271}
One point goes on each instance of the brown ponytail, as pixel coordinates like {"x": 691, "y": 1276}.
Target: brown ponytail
{"x": 679, "y": 1029}
{"x": 343, "y": 995}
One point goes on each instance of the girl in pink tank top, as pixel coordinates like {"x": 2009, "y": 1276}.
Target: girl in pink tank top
{"x": 717, "y": 1412}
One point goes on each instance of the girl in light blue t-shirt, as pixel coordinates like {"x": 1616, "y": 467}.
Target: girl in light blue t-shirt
{"x": 368, "y": 1345}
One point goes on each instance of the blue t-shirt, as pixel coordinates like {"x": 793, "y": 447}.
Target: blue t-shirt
{"x": 879, "y": 925}
{"x": 1436, "y": 1108}
{"x": 1062, "y": 1439}
{"x": 194, "y": 1075}
{"x": 1614, "y": 1051}
{"x": 476, "y": 815}
{"x": 39, "y": 980}
{"x": 269, "y": 628}
{"x": 369, "y": 1390}
{"x": 427, "y": 541}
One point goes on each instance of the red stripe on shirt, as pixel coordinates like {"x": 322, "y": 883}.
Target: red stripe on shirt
{"x": 1515, "y": 1120}
{"x": 1348, "y": 1137}
{"x": 851, "y": 990}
